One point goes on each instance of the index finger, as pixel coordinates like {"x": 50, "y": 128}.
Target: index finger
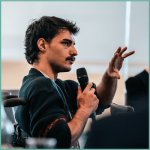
{"x": 128, "y": 54}
{"x": 113, "y": 59}
{"x": 93, "y": 90}
{"x": 88, "y": 87}
{"x": 118, "y": 50}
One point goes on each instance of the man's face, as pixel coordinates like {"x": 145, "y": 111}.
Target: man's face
{"x": 61, "y": 52}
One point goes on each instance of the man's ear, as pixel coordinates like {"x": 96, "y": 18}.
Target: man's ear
{"x": 41, "y": 43}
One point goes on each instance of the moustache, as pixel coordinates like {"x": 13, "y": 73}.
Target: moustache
{"x": 71, "y": 58}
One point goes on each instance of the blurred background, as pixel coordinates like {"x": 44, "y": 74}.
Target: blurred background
{"x": 104, "y": 26}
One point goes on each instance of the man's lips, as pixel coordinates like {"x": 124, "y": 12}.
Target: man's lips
{"x": 71, "y": 59}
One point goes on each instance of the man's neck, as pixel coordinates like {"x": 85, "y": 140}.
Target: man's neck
{"x": 46, "y": 70}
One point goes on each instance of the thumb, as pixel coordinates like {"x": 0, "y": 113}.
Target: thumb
{"x": 116, "y": 75}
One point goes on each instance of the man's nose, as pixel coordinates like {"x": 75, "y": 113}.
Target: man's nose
{"x": 73, "y": 51}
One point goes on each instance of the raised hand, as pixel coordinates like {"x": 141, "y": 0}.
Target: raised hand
{"x": 116, "y": 62}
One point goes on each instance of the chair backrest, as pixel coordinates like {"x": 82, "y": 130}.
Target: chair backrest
{"x": 119, "y": 109}
{"x": 10, "y": 102}
{"x": 9, "y": 110}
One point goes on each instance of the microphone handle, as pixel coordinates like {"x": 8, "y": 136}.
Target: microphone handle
{"x": 83, "y": 85}
{"x": 93, "y": 116}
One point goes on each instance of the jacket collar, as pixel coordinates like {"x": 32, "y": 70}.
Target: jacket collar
{"x": 34, "y": 71}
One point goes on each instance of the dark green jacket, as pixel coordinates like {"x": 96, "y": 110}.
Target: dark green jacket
{"x": 45, "y": 105}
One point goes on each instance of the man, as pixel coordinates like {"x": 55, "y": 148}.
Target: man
{"x": 56, "y": 108}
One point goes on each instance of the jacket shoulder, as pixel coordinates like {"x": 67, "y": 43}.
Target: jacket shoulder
{"x": 33, "y": 86}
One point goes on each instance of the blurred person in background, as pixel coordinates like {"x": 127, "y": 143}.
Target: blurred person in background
{"x": 128, "y": 130}
{"x": 120, "y": 131}
{"x": 56, "y": 108}
{"x": 138, "y": 91}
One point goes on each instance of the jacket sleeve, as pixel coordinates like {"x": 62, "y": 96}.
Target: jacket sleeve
{"x": 47, "y": 115}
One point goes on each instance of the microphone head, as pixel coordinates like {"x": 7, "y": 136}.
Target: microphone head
{"x": 82, "y": 77}
{"x": 81, "y": 72}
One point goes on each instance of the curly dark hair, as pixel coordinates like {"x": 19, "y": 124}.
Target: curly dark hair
{"x": 47, "y": 28}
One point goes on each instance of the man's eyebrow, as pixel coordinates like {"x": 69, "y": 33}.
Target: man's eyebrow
{"x": 68, "y": 41}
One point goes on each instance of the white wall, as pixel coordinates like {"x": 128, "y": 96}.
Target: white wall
{"x": 102, "y": 30}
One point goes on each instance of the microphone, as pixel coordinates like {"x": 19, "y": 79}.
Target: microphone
{"x": 83, "y": 79}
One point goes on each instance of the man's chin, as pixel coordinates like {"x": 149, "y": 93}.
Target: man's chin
{"x": 65, "y": 69}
